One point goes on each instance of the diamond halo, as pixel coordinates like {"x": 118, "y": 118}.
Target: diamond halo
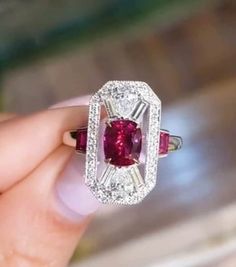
{"x": 127, "y": 184}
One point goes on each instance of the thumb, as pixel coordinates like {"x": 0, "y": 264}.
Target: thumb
{"x": 44, "y": 215}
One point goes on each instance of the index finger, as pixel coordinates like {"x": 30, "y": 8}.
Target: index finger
{"x": 28, "y": 140}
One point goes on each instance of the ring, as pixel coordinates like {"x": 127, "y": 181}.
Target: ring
{"x": 122, "y": 152}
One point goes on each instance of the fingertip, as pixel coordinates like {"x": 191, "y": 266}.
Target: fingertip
{"x": 75, "y": 200}
{"x": 34, "y": 136}
{"x": 77, "y": 101}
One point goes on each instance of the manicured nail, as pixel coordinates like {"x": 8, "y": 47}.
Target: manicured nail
{"x": 75, "y": 199}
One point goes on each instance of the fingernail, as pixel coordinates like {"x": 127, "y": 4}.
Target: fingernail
{"x": 75, "y": 199}
{"x": 82, "y": 100}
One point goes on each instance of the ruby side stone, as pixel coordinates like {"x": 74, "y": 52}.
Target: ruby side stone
{"x": 81, "y": 140}
{"x": 122, "y": 142}
{"x": 164, "y": 143}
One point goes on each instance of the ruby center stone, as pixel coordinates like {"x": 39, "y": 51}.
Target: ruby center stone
{"x": 122, "y": 142}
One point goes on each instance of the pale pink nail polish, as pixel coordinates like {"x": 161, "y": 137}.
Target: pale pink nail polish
{"x": 75, "y": 199}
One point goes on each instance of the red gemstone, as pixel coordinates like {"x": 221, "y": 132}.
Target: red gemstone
{"x": 164, "y": 143}
{"x": 122, "y": 142}
{"x": 81, "y": 140}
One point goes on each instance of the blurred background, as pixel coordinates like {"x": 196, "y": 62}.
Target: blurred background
{"x": 185, "y": 50}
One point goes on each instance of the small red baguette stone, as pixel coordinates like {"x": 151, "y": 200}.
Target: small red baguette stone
{"x": 164, "y": 143}
{"x": 81, "y": 140}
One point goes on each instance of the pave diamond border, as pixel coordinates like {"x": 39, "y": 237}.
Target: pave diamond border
{"x": 92, "y": 139}
{"x": 153, "y": 134}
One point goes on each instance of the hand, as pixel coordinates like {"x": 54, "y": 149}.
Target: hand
{"x": 44, "y": 204}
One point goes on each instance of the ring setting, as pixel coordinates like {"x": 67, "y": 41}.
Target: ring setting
{"x": 122, "y": 152}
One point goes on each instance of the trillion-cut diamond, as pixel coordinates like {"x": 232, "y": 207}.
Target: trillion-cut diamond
{"x": 125, "y": 101}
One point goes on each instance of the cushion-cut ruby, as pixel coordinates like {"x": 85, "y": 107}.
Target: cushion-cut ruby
{"x": 164, "y": 143}
{"x": 122, "y": 142}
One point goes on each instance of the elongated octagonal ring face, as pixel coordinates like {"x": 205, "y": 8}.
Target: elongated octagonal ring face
{"x": 122, "y": 150}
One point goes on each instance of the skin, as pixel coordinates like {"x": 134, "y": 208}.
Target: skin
{"x": 32, "y": 232}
